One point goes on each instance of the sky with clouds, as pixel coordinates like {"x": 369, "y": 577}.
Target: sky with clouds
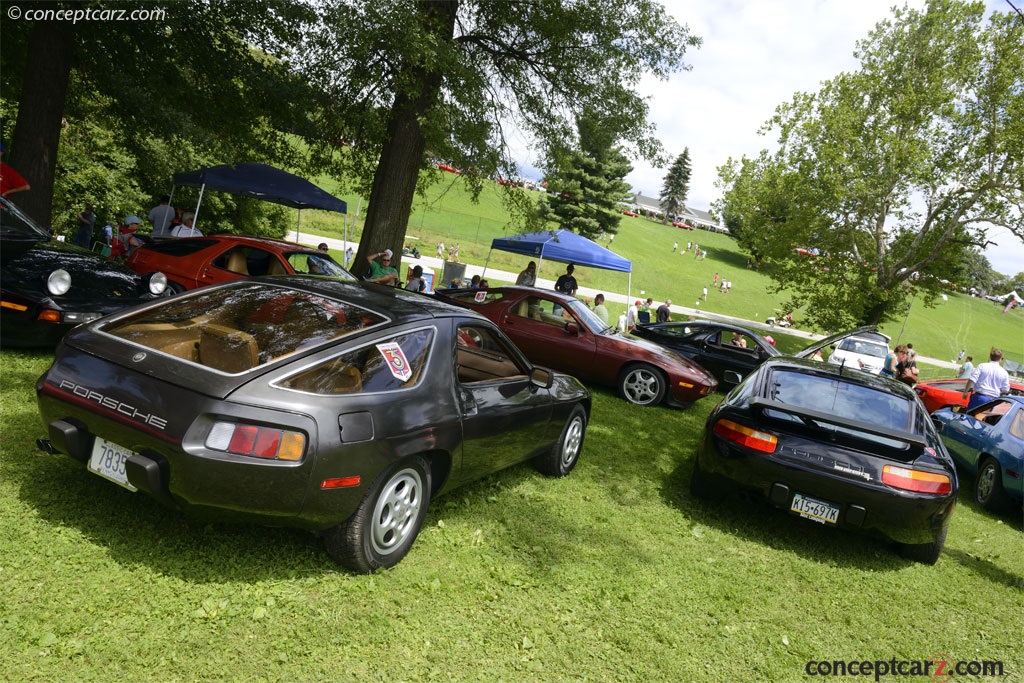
{"x": 755, "y": 56}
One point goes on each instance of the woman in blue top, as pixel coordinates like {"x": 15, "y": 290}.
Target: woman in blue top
{"x": 891, "y": 359}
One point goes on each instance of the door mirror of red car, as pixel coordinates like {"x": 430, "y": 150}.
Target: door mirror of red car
{"x": 573, "y": 329}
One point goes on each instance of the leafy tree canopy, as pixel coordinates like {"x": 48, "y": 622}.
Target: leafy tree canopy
{"x": 129, "y": 103}
{"x": 891, "y": 171}
{"x": 449, "y": 80}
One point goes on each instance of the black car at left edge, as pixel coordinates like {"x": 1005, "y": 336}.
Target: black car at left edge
{"x": 337, "y": 407}
{"x": 48, "y": 287}
{"x": 836, "y": 446}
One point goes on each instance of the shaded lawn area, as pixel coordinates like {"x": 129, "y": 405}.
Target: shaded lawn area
{"x": 612, "y": 574}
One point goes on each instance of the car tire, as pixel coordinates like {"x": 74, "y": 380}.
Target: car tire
{"x": 925, "y": 553}
{"x": 705, "y": 486}
{"x": 642, "y": 385}
{"x": 385, "y": 525}
{"x": 988, "y": 487}
{"x": 564, "y": 455}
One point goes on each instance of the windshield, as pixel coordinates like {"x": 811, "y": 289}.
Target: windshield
{"x": 589, "y": 318}
{"x": 864, "y": 347}
{"x": 13, "y": 223}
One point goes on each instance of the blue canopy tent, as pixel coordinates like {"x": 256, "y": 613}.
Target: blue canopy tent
{"x": 261, "y": 182}
{"x": 566, "y": 247}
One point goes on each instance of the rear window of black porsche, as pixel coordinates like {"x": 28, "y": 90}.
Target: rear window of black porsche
{"x": 235, "y": 329}
{"x": 841, "y": 398}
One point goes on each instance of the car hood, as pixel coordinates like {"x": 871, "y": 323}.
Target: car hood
{"x": 809, "y": 351}
{"x": 92, "y": 277}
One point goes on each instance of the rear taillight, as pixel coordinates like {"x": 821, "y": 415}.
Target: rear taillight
{"x": 258, "y": 442}
{"x": 915, "y": 480}
{"x": 745, "y": 436}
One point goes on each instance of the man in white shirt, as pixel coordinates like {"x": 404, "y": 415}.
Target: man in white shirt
{"x": 631, "y": 316}
{"x": 186, "y": 229}
{"x": 988, "y": 381}
{"x": 160, "y": 217}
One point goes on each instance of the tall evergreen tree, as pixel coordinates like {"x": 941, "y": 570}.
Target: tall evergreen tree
{"x": 677, "y": 186}
{"x": 585, "y": 184}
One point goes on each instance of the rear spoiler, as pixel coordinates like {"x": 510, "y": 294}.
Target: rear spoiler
{"x": 762, "y": 404}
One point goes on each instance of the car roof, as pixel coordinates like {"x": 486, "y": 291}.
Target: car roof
{"x": 269, "y": 243}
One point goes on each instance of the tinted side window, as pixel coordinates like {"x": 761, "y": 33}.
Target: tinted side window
{"x": 388, "y": 365}
{"x": 481, "y": 356}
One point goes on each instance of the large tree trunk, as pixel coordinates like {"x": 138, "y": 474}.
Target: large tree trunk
{"x": 40, "y": 110}
{"x": 394, "y": 183}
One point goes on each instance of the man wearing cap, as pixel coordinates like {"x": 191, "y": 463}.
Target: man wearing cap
{"x": 631, "y": 315}
{"x": 127, "y": 237}
{"x": 382, "y": 273}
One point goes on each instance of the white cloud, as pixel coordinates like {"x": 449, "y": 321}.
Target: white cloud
{"x": 755, "y": 56}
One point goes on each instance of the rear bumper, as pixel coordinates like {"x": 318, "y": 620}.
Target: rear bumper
{"x": 867, "y": 506}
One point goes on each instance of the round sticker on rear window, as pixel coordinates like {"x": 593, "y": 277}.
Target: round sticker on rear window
{"x": 397, "y": 363}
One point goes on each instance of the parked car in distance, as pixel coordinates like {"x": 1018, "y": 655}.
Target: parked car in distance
{"x": 190, "y": 262}
{"x": 559, "y": 331}
{"x": 947, "y": 393}
{"x": 48, "y": 287}
{"x": 988, "y": 442}
{"x": 729, "y": 352}
{"x": 865, "y": 352}
{"x": 341, "y": 408}
{"x": 836, "y": 446}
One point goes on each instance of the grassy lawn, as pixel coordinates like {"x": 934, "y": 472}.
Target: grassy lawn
{"x": 447, "y": 214}
{"x": 612, "y": 574}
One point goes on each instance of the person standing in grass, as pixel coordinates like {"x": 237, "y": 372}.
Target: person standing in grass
{"x": 988, "y": 381}
{"x": 528, "y": 277}
{"x": 599, "y": 308}
{"x": 967, "y": 368}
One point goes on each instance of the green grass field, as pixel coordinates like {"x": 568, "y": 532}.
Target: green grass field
{"x": 614, "y": 573}
{"x": 961, "y": 322}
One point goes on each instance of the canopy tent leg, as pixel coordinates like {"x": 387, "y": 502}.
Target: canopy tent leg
{"x": 195, "y": 219}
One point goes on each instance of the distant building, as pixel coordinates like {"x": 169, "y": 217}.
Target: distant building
{"x": 651, "y": 206}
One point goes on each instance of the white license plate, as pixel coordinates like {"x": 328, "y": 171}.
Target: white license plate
{"x": 817, "y": 510}
{"x": 107, "y": 460}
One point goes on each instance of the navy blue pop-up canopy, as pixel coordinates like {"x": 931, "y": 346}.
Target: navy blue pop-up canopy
{"x": 261, "y": 182}
{"x": 564, "y": 246}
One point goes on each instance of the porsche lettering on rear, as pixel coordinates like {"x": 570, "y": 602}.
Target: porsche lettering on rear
{"x": 111, "y": 403}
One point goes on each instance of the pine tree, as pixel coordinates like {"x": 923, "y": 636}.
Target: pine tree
{"x": 677, "y": 186}
{"x": 585, "y": 185}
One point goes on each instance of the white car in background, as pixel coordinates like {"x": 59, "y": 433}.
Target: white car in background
{"x": 865, "y": 352}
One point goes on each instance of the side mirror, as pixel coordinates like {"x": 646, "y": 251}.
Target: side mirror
{"x": 542, "y": 377}
{"x": 731, "y": 377}
{"x": 573, "y": 329}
